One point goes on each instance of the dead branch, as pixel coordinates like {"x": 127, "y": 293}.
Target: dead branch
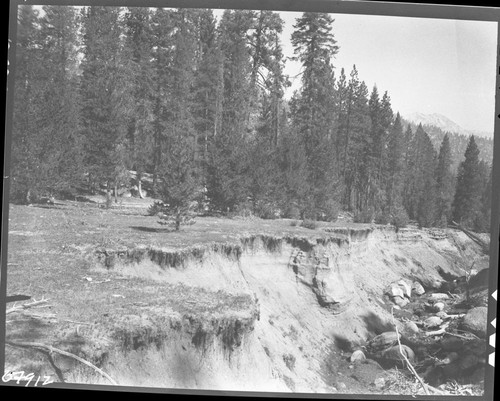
{"x": 485, "y": 247}
{"x": 464, "y": 337}
{"x": 26, "y": 306}
{"x": 455, "y": 316}
{"x": 40, "y": 316}
{"x": 72, "y": 321}
{"x": 425, "y": 386}
{"x": 51, "y": 349}
{"x": 442, "y": 330}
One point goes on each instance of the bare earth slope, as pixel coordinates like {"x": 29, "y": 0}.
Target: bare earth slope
{"x": 225, "y": 304}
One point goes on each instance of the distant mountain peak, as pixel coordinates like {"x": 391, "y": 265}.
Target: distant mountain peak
{"x": 437, "y": 120}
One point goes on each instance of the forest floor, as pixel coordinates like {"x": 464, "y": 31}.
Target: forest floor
{"x": 239, "y": 322}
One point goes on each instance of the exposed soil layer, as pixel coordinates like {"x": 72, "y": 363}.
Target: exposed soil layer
{"x": 270, "y": 308}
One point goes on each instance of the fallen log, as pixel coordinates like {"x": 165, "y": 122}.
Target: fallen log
{"x": 26, "y": 306}
{"x": 485, "y": 247}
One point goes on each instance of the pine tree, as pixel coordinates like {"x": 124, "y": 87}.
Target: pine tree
{"x": 268, "y": 82}
{"x": 342, "y": 107}
{"x": 138, "y": 48}
{"x": 357, "y": 145}
{"x": 25, "y": 162}
{"x": 295, "y": 174}
{"x": 106, "y": 98}
{"x": 395, "y": 163}
{"x": 426, "y": 207}
{"x": 46, "y": 142}
{"x": 372, "y": 164}
{"x": 444, "y": 183}
{"x": 178, "y": 177}
{"x": 420, "y": 186}
{"x": 162, "y": 22}
{"x": 484, "y": 220}
{"x": 228, "y": 179}
{"x": 315, "y": 46}
{"x": 207, "y": 85}
{"x": 467, "y": 200}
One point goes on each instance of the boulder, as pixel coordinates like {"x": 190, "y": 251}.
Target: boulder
{"x": 417, "y": 288}
{"x": 432, "y": 322}
{"x": 357, "y": 355}
{"x": 399, "y": 289}
{"x": 437, "y": 307}
{"x": 393, "y": 356}
{"x": 419, "y": 311}
{"x": 400, "y": 301}
{"x": 410, "y": 328}
{"x": 452, "y": 343}
{"x": 394, "y": 291}
{"x": 382, "y": 341}
{"x": 394, "y": 353}
{"x": 475, "y": 321}
{"x": 405, "y": 287}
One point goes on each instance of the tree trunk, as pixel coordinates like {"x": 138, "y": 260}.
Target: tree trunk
{"x": 139, "y": 188}
{"x": 178, "y": 218}
{"x": 108, "y": 196}
{"x": 116, "y": 192}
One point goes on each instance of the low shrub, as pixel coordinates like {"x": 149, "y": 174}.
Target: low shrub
{"x": 331, "y": 211}
{"x": 400, "y": 218}
{"x": 292, "y": 212}
{"x": 266, "y": 210}
{"x": 242, "y": 210}
{"x": 382, "y": 218}
{"x": 155, "y": 208}
{"x": 310, "y": 224}
{"x": 364, "y": 216}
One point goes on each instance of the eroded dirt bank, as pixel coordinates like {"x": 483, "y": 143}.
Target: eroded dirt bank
{"x": 275, "y": 313}
{"x": 233, "y": 304}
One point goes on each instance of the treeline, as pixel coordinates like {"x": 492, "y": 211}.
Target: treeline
{"x": 458, "y": 143}
{"x": 199, "y": 104}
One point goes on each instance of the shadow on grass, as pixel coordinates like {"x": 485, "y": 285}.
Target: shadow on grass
{"x": 152, "y": 229}
{"x": 30, "y": 329}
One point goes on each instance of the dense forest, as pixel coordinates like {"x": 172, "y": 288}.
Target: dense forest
{"x": 198, "y": 104}
{"x": 458, "y": 143}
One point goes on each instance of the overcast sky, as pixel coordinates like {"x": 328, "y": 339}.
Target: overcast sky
{"x": 426, "y": 65}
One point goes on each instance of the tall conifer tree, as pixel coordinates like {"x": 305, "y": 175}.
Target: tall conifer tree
{"x": 444, "y": 183}
{"x": 315, "y": 46}
{"x": 106, "y": 97}
{"x": 467, "y": 200}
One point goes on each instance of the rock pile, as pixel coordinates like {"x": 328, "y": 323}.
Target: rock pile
{"x": 399, "y": 293}
{"x": 441, "y": 332}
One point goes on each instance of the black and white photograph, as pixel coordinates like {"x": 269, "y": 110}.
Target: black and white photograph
{"x": 251, "y": 201}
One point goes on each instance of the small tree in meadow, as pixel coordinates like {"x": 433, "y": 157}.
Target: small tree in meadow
{"x": 179, "y": 189}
